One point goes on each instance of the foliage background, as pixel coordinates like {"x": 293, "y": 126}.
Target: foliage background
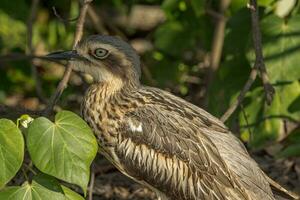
{"x": 174, "y": 39}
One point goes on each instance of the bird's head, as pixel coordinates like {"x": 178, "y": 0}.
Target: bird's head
{"x": 106, "y": 58}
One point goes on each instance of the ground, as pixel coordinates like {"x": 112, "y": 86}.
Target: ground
{"x": 112, "y": 185}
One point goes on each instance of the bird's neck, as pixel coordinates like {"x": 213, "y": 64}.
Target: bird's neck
{"x": 112, "y": 89}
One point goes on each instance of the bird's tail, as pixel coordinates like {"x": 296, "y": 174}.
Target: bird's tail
{"x": 280, "y": 192}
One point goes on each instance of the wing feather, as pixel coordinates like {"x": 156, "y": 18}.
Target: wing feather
{"x": 186, "y": 158}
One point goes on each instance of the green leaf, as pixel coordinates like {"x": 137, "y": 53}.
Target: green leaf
{"x": 11, "y": 150}
{"x": 224, "y": 89}
{"x": 11, "y": 36}
{"x": 169, "y": 6}
{"x": 294, "y": 137}
{"x": 284, "y": 7}
{"x": 238, "y": 33}
{"x": 291, "y": 150}
{"x": 265, "y": 3}
{"x": 236, "y": 5}
{"x": 281, "y": 44}
{"x": 198, "y": 7}
{"x": 71, "y": 195}
{"x": 173, "y": 34}
{"x": 267, "y": 122}
{"x": 42, "y": 187}
{"x": 64, "y": 149}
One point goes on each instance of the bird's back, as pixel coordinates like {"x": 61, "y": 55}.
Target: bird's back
{"x": 191, "y": 137}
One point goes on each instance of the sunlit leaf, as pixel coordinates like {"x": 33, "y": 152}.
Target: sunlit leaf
{"x": 42, "y": 187}
{"x": 11, "y": 150}
{"x": 284, "y": 7}
{"x": 265, "y": 3}
{"x": 71, "y": 195}
{"x": 63, "y": 149}
{"x": 267, "y": 121}
{"x": 281, "y": 45}
{"x": 12, "y": 36}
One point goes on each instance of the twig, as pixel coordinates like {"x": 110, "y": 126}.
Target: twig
{"x": 29, "y": 167}
{"x": 259, "y": 61}
{"x": 217, "y": 44}
{"x": 214, "y": 14}
{"x": 258, "y": 65}
{"x": 241, "y": 96}
{"x": 78, "y": 35}
{"x": 92, "y": 183}
{"x": 62, "y": 19}
{"x": 247, "y": 122}
{"x": 30, "y": 50}
{"x": 284, "y": 117}
{"x": 101, "y": 24}
{"x": 97, "y": 21}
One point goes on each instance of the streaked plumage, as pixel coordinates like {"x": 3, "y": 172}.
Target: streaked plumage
{"x": 177, "y": 149}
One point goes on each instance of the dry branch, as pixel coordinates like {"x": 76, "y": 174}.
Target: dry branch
{"x": 259, "y": 65}
{"x": 78, "y": 35}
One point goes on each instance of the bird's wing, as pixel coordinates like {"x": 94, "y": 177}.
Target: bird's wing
{"x": 166, "y": 144}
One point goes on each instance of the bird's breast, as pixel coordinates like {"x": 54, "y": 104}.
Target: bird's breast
{"x": 101, "y": 116}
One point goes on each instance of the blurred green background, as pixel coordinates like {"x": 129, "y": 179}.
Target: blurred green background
{"x": 174, "y": 39}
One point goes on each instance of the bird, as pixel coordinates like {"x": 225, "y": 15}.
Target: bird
{"x": 161, "y": 141}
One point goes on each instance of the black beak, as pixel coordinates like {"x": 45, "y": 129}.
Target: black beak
{"x": 64, "y": 55}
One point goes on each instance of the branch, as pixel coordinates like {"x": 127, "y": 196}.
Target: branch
{"x": 30, "y": 49}
{"x": 78, "y": 35}
{"x": 259, "y": 61}
{"x": 97, "y": 21}
{"x": 284, "y": 117}
{"x": 62, "y": 19}
{"x": 241, "y": 96}
{"x": 217, "y": 43}
{"x": 219, "y": 36}
{"x": 259, "y": 65}
{"x": 92, "y": 183}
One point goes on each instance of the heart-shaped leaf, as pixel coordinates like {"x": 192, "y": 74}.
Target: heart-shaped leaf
{"x": 11, "y": 150}
{"x": 71, "y": 195}
{"x": 64, "y": 149}
{"x": 42, "y": 187}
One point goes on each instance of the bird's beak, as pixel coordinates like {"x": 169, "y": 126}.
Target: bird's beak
{"x": 64, "y": 55}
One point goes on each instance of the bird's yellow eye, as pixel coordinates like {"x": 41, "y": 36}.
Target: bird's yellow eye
{"x": 101, "y": 53}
